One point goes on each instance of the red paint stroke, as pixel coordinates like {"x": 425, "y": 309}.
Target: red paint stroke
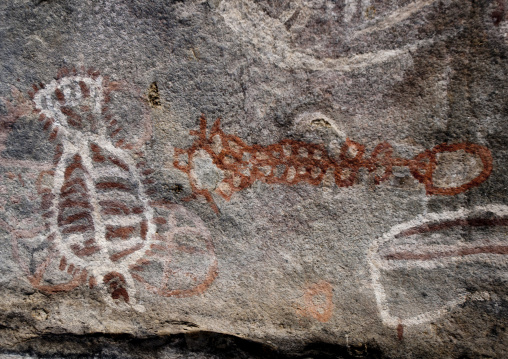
{"x": 78, "y": 116}
{"x": 318, "y": 299}
{"x": 464, "y": 222}
{"x": 452, "y": 253}
{"x": 73, "y": 209}
{"x": 116, "y": 283}
{"x": 291, "y": 162}
{"x": 165, "y": 252}
{"x": 400, "y": 331}
{"x": 458, "y": 251}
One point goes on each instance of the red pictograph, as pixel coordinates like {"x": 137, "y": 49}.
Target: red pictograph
{"x": 99, "y": 225}
{"x": 291, "y": 162}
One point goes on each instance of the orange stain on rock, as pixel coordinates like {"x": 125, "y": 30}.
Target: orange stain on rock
{"x": 318, "y": 299}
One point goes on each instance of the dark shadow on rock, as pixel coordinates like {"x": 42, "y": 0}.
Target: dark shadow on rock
{"x": 198, "y": 344}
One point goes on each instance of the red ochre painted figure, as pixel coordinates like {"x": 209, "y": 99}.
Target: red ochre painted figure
{"x": 100, "y": 226}
{"x": 291, "y": 162}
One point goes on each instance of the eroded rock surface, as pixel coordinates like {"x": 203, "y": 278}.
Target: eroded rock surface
{"x": 252, "y": 178}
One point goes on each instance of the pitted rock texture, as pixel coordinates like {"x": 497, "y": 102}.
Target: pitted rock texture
{"x": 251, "y": 178}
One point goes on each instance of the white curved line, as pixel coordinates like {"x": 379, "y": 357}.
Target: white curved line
{"x": 376, "y": 263}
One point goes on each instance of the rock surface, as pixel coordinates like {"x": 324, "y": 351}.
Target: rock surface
{"x": 253, "y": 178}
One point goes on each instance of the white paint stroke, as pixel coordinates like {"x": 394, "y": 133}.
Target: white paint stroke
{"x": 272, "y": 41}
{"x": 377, "y": 264}
{"x": 395, "y": 17}
{"x": 350, "y": 10}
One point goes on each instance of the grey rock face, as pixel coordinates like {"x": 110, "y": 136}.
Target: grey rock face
{"x": 252, "y": 178}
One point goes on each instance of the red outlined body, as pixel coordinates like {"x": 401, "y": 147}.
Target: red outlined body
{"x": 291, "y": 162}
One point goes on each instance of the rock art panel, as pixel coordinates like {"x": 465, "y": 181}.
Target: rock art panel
{"x": 100, "y": 227}
{"x": 291, "y": 162}
{"x": 431, "y": 249}
{"x": 358, "y": 178}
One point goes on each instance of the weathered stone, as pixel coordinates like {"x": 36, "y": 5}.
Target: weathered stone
{"x": 253, "y": 178}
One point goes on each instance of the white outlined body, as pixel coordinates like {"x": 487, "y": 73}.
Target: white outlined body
{"x": 101, "y": 224}
{"x": 428, "y": 257}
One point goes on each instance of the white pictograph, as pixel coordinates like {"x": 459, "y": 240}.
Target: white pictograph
{"x": 101, "y": 227}
{"x": 434, "y": 242}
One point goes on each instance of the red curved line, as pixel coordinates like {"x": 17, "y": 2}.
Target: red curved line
{"x": 471, "y": 222}
{"x": 454, "y": 253}
{"x": 182, "y": 293}
{"x": 77, "y": 279}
